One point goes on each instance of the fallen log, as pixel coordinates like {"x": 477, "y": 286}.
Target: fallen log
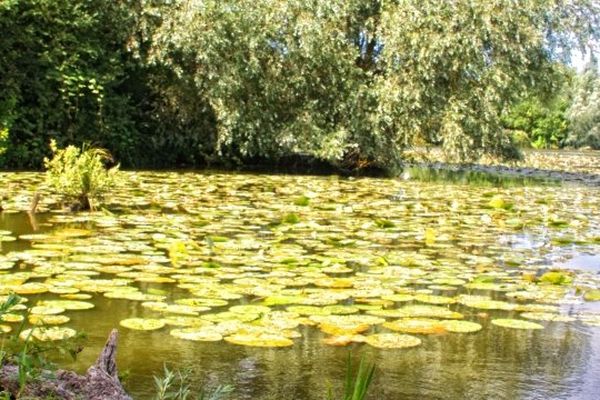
{"x": 101, "y": 381}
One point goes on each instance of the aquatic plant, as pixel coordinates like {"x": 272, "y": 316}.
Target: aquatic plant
{"x": 80, "y": 174}
{"x": 356, "y": 386}
{"x": 175, "y": 385}
{"x": 29, "y": 349}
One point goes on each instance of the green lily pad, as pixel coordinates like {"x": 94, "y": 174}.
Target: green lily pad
{"x": 516, "y": 324}
{"x": 142, "y": 324}
{"x": 250, "y": 309}
{"x": 341, "y": 310}
{"x": 485, "y": 303}
{"x": 398, "y": 298}
{"x": 433, "y": 299}
{"x": 427, "y": 311}
{"x": 546, "y": 316}
{"x": 592, "y": 295}
{"x": 308, "y": 310}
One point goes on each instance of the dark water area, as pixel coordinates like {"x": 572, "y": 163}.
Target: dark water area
{"x": 561, "y": 361}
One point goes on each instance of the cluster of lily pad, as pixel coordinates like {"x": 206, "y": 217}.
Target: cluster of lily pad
{"x": 259, "y": 260}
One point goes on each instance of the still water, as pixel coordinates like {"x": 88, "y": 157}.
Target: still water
{"x": 357, "y": 241}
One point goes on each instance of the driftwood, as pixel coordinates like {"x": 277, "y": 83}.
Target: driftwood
{"x": 101, "y": 382}
{"x": 34, "y": 203}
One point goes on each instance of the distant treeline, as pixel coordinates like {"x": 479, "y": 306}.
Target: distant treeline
{"x": 351, "y": 83}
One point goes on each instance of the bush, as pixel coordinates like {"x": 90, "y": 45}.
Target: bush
{"x": 80, "y": 175}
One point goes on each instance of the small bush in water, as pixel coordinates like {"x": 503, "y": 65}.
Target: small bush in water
{"x": 80, "y": 174}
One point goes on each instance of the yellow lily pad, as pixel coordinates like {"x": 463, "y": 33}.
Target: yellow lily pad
{"x": 461, "y": 326}
{"x": 204, "y": 334}
{"x": 67, "y": 304}
{"x": 48, "y": 319}
{"x": 9, "y": 317}
{"x": 45, "y": 310}
{"x": 392, "y": 341}
{"x": 416, "y": 325}
{"x": 48, "y": 334}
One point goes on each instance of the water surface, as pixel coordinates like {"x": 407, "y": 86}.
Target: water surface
{"x": 262, "y": 236}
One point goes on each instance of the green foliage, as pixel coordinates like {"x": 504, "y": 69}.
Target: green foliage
{"x": 291, "y": 218}
{"x": 356, "y": 387}
{"x": 174, "y": 385}
{"x": 556, "y": 278}
{"x": 537, "y": 124}
{"x": 302, "y": 201}
{"x": 80, "y": 175}
{"x": 3, "y": 141}
{"x": 356, "y": 84}
{"x": 584, "y": 112}
{"x": 169, "y": 83}
{"x": 31, "y": 356}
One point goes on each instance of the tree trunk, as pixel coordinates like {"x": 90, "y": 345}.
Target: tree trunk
{"x": 101, "y": 382}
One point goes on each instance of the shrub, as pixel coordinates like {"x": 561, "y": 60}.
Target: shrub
{"x": 80, "y": 174}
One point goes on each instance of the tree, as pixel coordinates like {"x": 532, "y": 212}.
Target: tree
{"x": 342, "y": 80}
{"x": 351, "y": 82}
{"x": 539, "y": 120}
{"x": 584, "y": 112}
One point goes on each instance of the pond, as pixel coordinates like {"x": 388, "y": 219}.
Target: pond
{"x": 265, "y": 282}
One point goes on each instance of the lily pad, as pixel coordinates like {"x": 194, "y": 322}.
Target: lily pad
{"x": 204, "y": 334}
{"x": 461, "y": 326}
{"x": 259, "y": 340}
{"x": 66, "y": 304}
{"x": 416, "y": 325}
{"x": 546, "y": 316}
{"x": 48, "y": 334}
{"x": 392, "y": 341}
{"x": 45, "y": 310}
{"x": 516, "y": 324}
{"x": 592, "y": 295}
{"x": 48, "y": 319}
{"x": 250, "y": 309}
{"x": 142, "y": 324}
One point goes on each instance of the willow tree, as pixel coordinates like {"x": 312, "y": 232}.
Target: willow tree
{"x": 360, "y": 82}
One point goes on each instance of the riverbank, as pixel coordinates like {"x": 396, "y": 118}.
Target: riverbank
{"x": 579, "y": 167}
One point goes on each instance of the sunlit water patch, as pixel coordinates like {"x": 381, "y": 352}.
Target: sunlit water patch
{"x": 265, "y": 282}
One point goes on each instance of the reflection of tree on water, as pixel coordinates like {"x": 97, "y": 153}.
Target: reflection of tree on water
{"x": 492, "y": 364}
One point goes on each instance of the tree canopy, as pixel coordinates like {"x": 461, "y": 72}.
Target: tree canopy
{"x": 350, "y": 82}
